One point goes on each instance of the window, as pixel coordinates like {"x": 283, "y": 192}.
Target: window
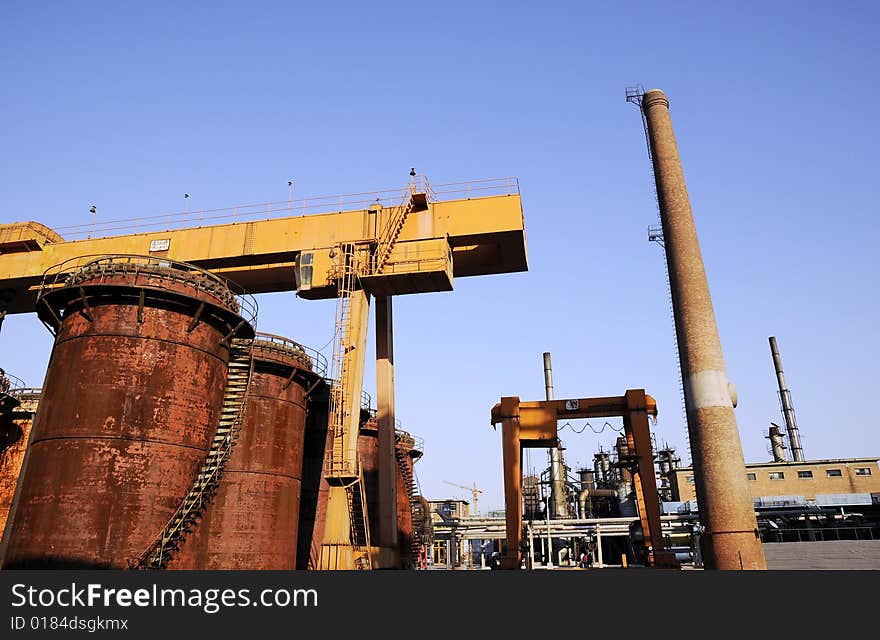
{"x": 751, "y": 476}
{"x": 863, "y": 471}
{"x": 805, "y": 474}
{"x": 777, "y": 475}
{"x": 833, "y": 473}
{"x": 690, "y": 479}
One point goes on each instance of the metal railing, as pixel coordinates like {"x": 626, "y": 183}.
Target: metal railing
{"x": 76, "y": 270}
{"x": 11, "y": 385}
{"x": 290, "y": 208}
{"x": 821, "y": 534}
{"x": 312, "y": 358}
{"x": 416, "y": 443}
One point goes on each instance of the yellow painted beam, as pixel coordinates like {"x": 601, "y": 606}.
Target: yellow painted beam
{"x": 481, "y": 236}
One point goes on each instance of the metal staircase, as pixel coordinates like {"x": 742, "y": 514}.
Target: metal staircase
{"x": 415, "y": 504}
{"x": 360, "y": 531}
{"x": 393, "y": 227}
{"x": 207, "y": 480}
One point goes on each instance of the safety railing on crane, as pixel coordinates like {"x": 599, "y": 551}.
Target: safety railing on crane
{"x": 92, "y": 267}
{"x": 289, "y": 208}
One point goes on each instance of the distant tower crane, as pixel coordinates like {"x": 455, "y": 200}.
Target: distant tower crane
{"x": 474, "y": 492}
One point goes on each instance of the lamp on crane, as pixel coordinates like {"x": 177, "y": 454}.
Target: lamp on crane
{"x": 474, "y": 492}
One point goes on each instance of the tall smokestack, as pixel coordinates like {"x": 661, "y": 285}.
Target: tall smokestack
{"x": 557, "y": 466}
{"x": 777, "y": 443}
{"x": 794, "y": 436}
{"x": 725, "y": 504}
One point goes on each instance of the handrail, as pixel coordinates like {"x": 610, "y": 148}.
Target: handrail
{"x": 290, "y": 208}
{"x": 76, "y": 269}
{"x": 11, "y": 385}
{"x": 314, "y": 358}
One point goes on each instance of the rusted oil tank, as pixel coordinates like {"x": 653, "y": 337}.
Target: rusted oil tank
{"x": 368, "y": 456}
{"x": 406, "y": 452}
{"x": 315, "y": 488}
{"x": 252, "y": 521}
{"x": 15, "y": 430}
{"x": 317, "y": 444}
{"x": 130, "y": 405}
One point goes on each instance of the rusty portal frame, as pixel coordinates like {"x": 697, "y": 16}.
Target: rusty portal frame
{"x": 534, "y": 425}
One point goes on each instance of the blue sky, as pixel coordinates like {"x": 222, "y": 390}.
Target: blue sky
{"x": 128, "y": 107}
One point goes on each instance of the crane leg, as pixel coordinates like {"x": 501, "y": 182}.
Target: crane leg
{"x": 338, "y": 550}
{"x": 387, "y": 534}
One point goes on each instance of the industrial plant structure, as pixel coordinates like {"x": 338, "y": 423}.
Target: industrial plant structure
{"x": 171, "y": 433}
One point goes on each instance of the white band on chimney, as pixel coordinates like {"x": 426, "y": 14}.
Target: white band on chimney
{"x": 707, "y": 389}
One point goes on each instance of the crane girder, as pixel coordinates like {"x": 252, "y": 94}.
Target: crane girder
{"x": 444, "y": 240}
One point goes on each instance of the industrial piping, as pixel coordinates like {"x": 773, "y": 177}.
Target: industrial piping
{"x": 557, "y": 466}
{"x": 725, "y": 504}
{"x": 794, "y": 436}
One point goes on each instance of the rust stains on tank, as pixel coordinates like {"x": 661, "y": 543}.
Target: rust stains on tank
{"x": 252, "y": 523}
{"x": 15, "y": 430}
{"x": 131, "y": 401}
{"x": 318, "y": 444}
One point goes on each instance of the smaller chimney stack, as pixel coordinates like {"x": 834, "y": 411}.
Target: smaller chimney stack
{"x": 794, "y": 436}
{"x": 777, "y": 443}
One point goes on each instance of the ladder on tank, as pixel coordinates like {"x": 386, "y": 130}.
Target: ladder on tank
{"x": 415, "y": 506}
{"x": 207, "y": 480}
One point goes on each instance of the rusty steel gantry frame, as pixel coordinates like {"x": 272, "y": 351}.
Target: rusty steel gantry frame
{"x": 534, "y": 425}
{"x": 416, "y": 239}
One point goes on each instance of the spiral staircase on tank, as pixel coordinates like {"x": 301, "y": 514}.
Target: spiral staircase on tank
{"x": 162, "y": 549}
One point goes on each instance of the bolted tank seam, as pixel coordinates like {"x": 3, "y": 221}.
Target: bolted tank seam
{"x": 103, "y": 437}
{"x": 92, "y": 337}
{"x": 263, "y": 473}
{"x": 275, "y": 399}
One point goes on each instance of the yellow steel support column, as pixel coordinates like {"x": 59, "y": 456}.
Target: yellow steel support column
{"x": 387, "y": 534}
{"x": 512, "y": 460}
{"x": 337, "y": 551}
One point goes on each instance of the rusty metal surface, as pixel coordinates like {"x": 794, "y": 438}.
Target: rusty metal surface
{"x": 404, "y": 507}
{"x": 719, "y": 469}
{"x": 253, "y": 520}
{"x": 368, "y": 456}
{"x": 318, "y": 443}
{"x": 14, "y": 432}
{"x": 128, "y": 411}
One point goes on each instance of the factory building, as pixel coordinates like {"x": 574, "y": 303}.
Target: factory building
{"x": 812, "y": 480}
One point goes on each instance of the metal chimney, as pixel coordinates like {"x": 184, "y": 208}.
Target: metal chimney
{"x": 794, "y": 436}
{"x": 726, "y": 510}
{"x": 777, "y": 443}
{"x": 557, "y": 465}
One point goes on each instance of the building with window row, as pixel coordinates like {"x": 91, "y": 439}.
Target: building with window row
{"x": 807, "y": 479}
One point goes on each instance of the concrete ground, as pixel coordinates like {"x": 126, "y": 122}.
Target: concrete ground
{"x": 843, "y": 554}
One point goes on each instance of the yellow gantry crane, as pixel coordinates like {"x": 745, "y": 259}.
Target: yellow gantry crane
{"x": 474, "y": 494}
{"x": 355, "y": 248}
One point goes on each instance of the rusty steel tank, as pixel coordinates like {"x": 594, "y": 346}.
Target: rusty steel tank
{"x": 131, "y": 402}
{"x": 252, "y": 522}
{"x": 317, "y": 445}
{"x": 368, "y": 456}
{"x": 18, "y": 404}
{"x": 315, "y": 488}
